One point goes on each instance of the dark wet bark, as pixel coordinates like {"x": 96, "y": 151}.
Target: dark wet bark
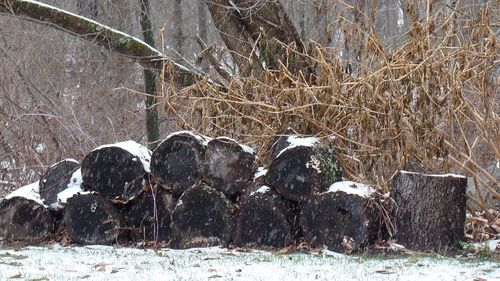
{"x": 149, "y": 215}
{"x": 300, "y": 172}
{"x": 342, "y": 222}
{"x": 56, "y": 179}
{"x": 114, "y": 173}
{"x": 261, "y": 223}
{"x": 228, "y": 166}
{"x": 177, "y": 163}
{"x": 429, "y": 211}
{"x": 201, "y": 218}
{"x": 25, "y": 220}
{"x": 91, "y": 219}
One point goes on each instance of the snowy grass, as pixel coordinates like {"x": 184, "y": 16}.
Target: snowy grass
{"x": 106, "y": 263}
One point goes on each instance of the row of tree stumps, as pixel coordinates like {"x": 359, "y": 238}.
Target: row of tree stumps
{"x": 193, "y": 191}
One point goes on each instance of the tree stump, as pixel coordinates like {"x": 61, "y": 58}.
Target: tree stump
{"x": 91, "y": 219}
{"x": 25, "y": 220}
{"x": 177, "y": 162}
{"x": 343, "y": 219}
{"x": 149, "y": 215}
{"x": 304, "y": 168}
{"x": 116, "y": 171}
{"x": 429, "y": 210}
{"x": 55, "y": 180}
{"x": 261, "y": 223}
{"x": 229, "y": 166}
{"x": 201, "y": 218}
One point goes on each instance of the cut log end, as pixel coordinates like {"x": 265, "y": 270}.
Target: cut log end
{"x": 340, "y": 221}
{"x": 177, "y": 162}
{"x": 260, "y": 222}
{"x": 25, "y": 220}
{"x": 201, "y": 218}
{"x": 114, "y": 173}
{"x": 229, "y": 166}
{"x": 91, "y": 219}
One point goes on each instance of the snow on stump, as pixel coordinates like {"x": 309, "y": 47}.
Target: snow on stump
{"x": 343, "y": 219}
{"x": 229, "y": 166}
{"x": 55, "y": 180}
{"x": 149, "y": 215}
{"x": 22, "y": 219}
{"x": 304, "y": 168}
{"x": 429, "y": 210}
{"x": 116, "y": 171}
{"x": 201, "y": 218}
{"x": 92, "y": 219}
{"x": 177, "y": 162}
{"x": 261, "y": 223}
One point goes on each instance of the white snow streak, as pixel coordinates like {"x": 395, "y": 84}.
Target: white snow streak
{"x": 434, "y": 175}
{"x": 295, "y": 141}
{"x": 201, "y": 138}
{"x": 137, "y": 149}
{"x": 263, "y": 189}
{"x": 30, "y": 191}
{"x": 350, "y": 187}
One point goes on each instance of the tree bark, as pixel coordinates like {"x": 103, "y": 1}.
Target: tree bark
{"x": 201, "y": 218}
{"x": 301, "y": 171}
{"x": 56, "y": 179}
{"x": 341, "y": 221}
{"x": 22, "y": 219}
{"x": 102, "y": 35}
{"x": 91, "y": 219}
{"x": 228, "y": 166}
{"x": 235, "y": 37}
{"x": 429, "y": 211}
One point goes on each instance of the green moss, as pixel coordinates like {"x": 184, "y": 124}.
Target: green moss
{"x": 329, "y": 164}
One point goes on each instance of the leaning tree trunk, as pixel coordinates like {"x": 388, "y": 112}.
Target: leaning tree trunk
{"x": 304, "y": 168}
{"x": 201, "y": 218}
{"x": 116, "y": 171}
{"x": 149, "y": 215}
{"x": 91, "y": 219}
{"x": 177, "y": 162}
{"x": 22, "y": 219}
{"x": 260, "y": 221}
{"x": 55, "y": 180}
{"x": 344, "y": 219}
{"x": 429, "y": 210}
{"x": 229, "y": 166}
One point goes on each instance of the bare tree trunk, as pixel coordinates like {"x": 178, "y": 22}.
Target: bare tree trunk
{"x": 152, "y": 126}
{"x": 178, "y": 33}
{"x": 202, "y": 28}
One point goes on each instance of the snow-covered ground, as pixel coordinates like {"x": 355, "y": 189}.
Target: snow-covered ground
{"x": 111, "y": 263}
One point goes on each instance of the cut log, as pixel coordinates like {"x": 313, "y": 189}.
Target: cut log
{"x": 116, "y": 171}
{"x": 177, "y": 162}
{"x": 91, "y": 219}
{"x": 429, "y": 211}
{"x": 261, "y": 223}
{"x": 304, "y": 168}
{"x": 343, "y": 219}
{"x": 25, "y": 220}
{"x": 229, "y": 166}
{"x": 149, "y": 215}
{"x": 201, "y": 218}
{"x": 55, "y": 180}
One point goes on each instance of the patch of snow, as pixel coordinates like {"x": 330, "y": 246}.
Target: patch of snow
{"x": 245, "y": 148}
{"x": 315, "y": 164}
{"x": 201, "y": 138}
{"x": 73, "y": 188}
{"x": 494, "y": 245}
{"x": 350, "y": 187}
{"x": 40, "y": 147}
{"x": 434, "y": 175}
{"x": 137, "y": 149}
{"x": 263, "y": 189}
{"x": 260, "y": 173}
{"x": 295, "y": 141}
{"x": 30, "y": 191}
